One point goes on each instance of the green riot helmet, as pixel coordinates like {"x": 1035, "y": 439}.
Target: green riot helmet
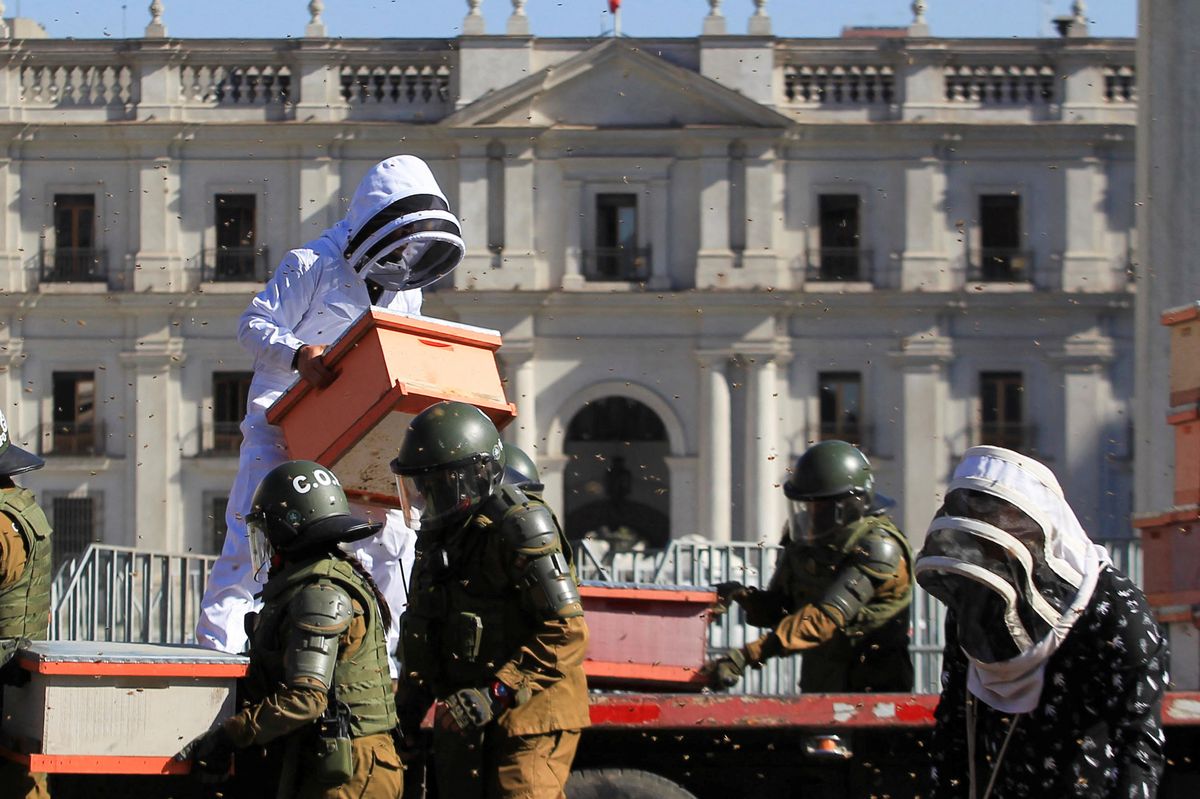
{"x": 450, "y": 461}
{"x": 520, "y": 470}
{"x": 831, "y": 486}
{"x": 300, "y": 505}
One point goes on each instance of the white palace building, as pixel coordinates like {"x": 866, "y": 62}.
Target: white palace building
{"x": 703, "y": 254}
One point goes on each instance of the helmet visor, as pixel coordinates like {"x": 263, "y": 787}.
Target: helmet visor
{"x": 813, "y": 519}
{"x": 261, "y": 550}
{"x": 411, "y": 251}
{"x": 440, "y": 497}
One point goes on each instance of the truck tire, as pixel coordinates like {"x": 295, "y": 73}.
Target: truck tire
{"x": 622, "y": 783}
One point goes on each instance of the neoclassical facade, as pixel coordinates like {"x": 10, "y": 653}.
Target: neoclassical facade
{"x": 702, "y": 253}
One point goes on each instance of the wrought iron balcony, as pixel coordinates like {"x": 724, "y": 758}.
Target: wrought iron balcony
{"x": 73, "y": 265}
{"x": 235, "y": 264}
{"x": 846, "y": 264}
{"x": 72, "y": 438}
{"x": 1001, "y": 265}
{"x": 617, "y": 264}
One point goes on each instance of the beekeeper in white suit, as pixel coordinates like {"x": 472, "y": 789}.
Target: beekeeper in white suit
{"x": 398, "y": 236}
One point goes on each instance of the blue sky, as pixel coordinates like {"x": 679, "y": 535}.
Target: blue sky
{"x": 438, "y": 18}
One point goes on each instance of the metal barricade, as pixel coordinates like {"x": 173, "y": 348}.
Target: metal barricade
{"x": 111, "y": 593}
{"x": 703, "y": 564}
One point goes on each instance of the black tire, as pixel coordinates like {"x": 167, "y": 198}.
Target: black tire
{"x": 622, "y": 783}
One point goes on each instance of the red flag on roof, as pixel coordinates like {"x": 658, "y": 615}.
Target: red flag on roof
{"x": 613, "y": 5}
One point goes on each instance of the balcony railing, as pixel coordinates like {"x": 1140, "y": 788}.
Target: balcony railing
{"x": 72, "y": 438}
{"x": 1001, "y": 265}
{"x": 1016, "y": 436}
{"x": 73, "y": 265}
{"x": 838, "y": 264}
{"x": 235, "y": 264}
{"x": 617, "y": 264}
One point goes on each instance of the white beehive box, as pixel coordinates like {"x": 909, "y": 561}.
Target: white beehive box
{"x": 113, "y": 708}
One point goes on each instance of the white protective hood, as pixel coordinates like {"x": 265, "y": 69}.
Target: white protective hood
{"x": 1015, "y": 685}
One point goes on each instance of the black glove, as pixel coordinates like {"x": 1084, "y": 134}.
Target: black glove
{"x": 728, "y": 593}
{"x": 211, "y": 755}
{"x": 472, "y": 708}
{"x": 725, "y": 671}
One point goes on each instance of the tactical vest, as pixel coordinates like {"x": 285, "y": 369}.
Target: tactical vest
{"x": 808, "y": 570}
{"x": 466, "y": 616}
{"x": 362, "y": 681}
{"x": 25, "y": 605}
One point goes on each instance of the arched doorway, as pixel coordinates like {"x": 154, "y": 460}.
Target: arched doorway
{"x": 616, "y": 483}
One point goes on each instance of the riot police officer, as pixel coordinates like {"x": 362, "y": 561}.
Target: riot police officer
{"x": 25, "y": 577}
{"x": 494, "y": 629}
{"x": 318, "y": 695}
{"x": 842, "y": 589}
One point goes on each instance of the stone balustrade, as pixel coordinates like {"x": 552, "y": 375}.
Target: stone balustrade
{"x": 416, "y": 80}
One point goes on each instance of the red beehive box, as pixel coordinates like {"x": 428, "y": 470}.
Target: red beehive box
{"x": 646, "y": 634}
{"x": 390, "y": 367}
{"x": 1187, "y": 455}
{"x": 1171, "y": 557}
{"x": 93, "y": 707}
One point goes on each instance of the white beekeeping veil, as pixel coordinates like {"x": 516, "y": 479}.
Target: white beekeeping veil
{"x": 1007, "y": 554}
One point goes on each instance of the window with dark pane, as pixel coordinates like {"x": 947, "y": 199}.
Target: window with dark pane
{"x": 840, "y": 399}
{"x": 235, "y": 223}
{"x": 230, "y": 393}
{"x": 215, "y": 523}
{"x": 616, "y": 256}
{"x": 73, "y": 427}
{"x": 616, "y": 419}
{"x": 74, "y": 257}
{"x": 840, "y": 237}
{"x": 1002, "y": 410}
{"x": 1000, "y": 256}
{"x": 74, "y": 521}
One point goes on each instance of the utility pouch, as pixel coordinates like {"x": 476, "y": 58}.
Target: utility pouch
{"x": 334, "y": 761}
{"x": 466, "y": 636}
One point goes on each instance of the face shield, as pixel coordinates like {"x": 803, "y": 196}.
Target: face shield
{"x": 409, "y": 251}
{"x": 261, "y": 551}
{"x": 440, "y": 497}
{"x": 813, "y": 520}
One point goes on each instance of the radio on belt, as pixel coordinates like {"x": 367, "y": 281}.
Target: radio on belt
{"x": 390, "y": 367}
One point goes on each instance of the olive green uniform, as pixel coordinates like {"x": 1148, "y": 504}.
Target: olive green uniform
{"x": 25, "y": 576}
{"x": 470, "y": 621}
{"x": 283, "y": 718}
{"x": 867, "y": 652}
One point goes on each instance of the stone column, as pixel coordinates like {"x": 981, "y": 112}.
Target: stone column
{"x": 660, "y": 234}
{"x": 714, "y": 262}
{"x": 157, "y": 72}
{"x": 12, "y": 266}
{"x": 923, "y": 266}
{"x": 764, "y": 197}
{"x": 473, "y": 202}
{"x": 716, "y": 449}
{"x": 573, "y": 236}
{"x": 685, "y": 493}
{"x": 1086, "y": 264}
{"x": 923, "y": 455}
{"x": 318, "y": 187}
{"x": 157, "y": 262}
{"x": 522, "y": 390}
{"x": 152, "y": 416}
{"x": 518, "y": 210}
{"x": 1086, "y": 394}
{"x": 764, "y": 500}
{"x": 317, "y": 74}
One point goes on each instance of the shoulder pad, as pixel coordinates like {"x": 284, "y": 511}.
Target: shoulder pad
{"x": 530, "y": 529}
{"x": 878, "y": 553}
{"x": 322, "y": 608}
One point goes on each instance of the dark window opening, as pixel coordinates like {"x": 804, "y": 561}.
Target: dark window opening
{"x": 616, "y": 419}
{"x": 1002, "y": 411}
{"x": 839, "y": 256}
{"x": 74, "y": 429}
{"x": 231, "y": 391}
{"x": 74, "y": 256}
{"x": 216, "y": 526}
{"x": 74, "y": 521}
{"x": 840, "y": 399}
{"x": 236, "y": 256}
{"x": 1000, "y": 256}
{"x": 616, "y": 256}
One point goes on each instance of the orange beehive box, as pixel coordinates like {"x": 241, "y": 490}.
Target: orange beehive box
{"x": 646, "y": 635}
{"x": 1171, "y": 557}
{"x": 94, "y": 707}
{"x": 389, "y": 368}
{"x": 1184, "y": 324}
{"x": 1186, "y": 424}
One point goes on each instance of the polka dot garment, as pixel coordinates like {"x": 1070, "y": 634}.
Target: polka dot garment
{"x": 1097, "y": 730}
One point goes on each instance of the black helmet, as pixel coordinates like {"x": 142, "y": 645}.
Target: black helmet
{"x": 13, "y": 459}
{"x": 831, "y": 486}
{"x": 451, "y": 460}
{"x": 300, "y": 505}
{"x": 520, "y": 470}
